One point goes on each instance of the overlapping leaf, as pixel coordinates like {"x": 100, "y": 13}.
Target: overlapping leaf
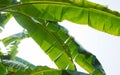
{"x": 47, "y": 40}
{"x": 18, "y": 63}
{"x": 85, "y": 12}
{"x": 14, "y": 64}
{"x": 11, "y": 43}
{"x": 15, "y": 37}
{"x": 28, "y": 64}
{"x": 43, "y": 70}
{"x": 82, "y": 12}
{"x": 86, "y": 55}
{"x": 56, "y": 42}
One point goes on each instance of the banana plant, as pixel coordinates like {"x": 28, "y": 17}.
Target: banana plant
{"x": 40, "y": 18}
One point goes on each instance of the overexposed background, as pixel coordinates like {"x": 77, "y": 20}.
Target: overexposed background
{"x": 106, "y": 47}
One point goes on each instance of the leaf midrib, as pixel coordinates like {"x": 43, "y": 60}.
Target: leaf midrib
{"x": 55, "y": 38}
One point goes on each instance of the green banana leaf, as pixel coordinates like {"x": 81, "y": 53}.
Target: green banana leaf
{"x": 19, "y": 64}
{"x": 81, "y": 12}
{"x": 4, "y": 18}
{"x": 30, "y": 65}
{"x": 15, "y": 64}
{"x": 11, "y": 43}
{"x": 13, "y": 50}
{"x": 43, "y": 70}
{"x": 89, "y": 61}
{"x": 15, "y": 37}
{"x": 84, "y": 13}
{"x": 56, "y": 42}
{"x": 47, "y": 41}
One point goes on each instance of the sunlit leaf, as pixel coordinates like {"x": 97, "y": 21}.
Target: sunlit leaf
{"x": 47, "y": 41}
{"x": 95, "y": 15}
{"x": 54, "y": 35}
{"x": 43, "y": 70}
{"x": 42, "y": 26}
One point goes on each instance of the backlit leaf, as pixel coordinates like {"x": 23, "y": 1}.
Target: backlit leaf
{"x": 43, "y": 70}
{"x": 56, "y": 42}
{"x": 47, "y": 41}
{"x": 95, "y": 15}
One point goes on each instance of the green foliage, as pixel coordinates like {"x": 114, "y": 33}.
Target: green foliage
{"x": 28, "y": 64}
{"x": 15, "y": 37}
{"x": 59, "y": 46}
{"x": 12, "y": 42}
{"x": 18, "y": 64}
{"x": 95, "y": 15}
{"x": 39, "y": 18}
{"x": 4, "y": 18}
{"x": 4, "y": 3}
{"x": 52, "y": 45}
{"x": 43, "y": 70}
{"x": 2, "y": 69}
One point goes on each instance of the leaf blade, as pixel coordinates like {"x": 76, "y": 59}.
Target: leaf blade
{"x": 43, "y": 70}
{"x": 84, "y": 14}
{"x": 39, "y": 32}
{"x": 78, "y": 53}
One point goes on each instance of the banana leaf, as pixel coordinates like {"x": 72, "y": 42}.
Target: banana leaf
{"x": 87, "y": 59}
{"x": 30, "y": 65}
{"x": 47, "y": 41}
{"x": 15, "y": 37}
{"x": 43, "y": 70}
{"x": 81, "y": 12}
{"x": 60, "y": 47}
{"x": 11, "y": 43}
{"x": 18, "y": 63}
{"x": 95, "y": 15}
{"x": 14, "y": 64}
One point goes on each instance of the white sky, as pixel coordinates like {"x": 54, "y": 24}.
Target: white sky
{"x": 104, "y": 46}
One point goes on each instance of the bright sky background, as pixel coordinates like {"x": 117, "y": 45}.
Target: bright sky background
{"x": 105, "y": 46}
